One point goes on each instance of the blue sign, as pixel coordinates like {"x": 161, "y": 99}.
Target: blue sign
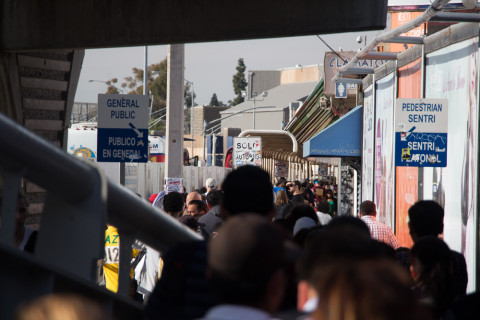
{"x": 122, "y": 128}
{"x": 340, "y": 90}
{"x": 421, "y": 132}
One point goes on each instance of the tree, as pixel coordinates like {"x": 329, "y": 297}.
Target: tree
{"x": 157, "y": 89}
{"x": 239, "y": 82}
{"x": 214, "y": 101}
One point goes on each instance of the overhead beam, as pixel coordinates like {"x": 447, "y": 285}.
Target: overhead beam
{"x": 58, "y": 24}
{"x": 358, "y": 71}
{"x": 380, "y": 56}
{"x": 456, "y": 17}
{"x": 411, "y": 40}
{"x": 349, "y": 80}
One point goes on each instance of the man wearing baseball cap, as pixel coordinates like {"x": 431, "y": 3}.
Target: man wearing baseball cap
{"x": 210, "y": 185}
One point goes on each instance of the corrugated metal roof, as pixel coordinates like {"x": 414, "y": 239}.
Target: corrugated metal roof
{"x": 310, "y": 118}
{"x": 278, "y": 98}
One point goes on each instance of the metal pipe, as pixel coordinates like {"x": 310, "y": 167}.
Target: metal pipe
{"x": 456, "y": 17}
{"x": 411, "y": 40}
{"x": 426, "y": 16}
{"x": 358, "y": 71}
{"x": 46, "y": 165}
{"x": 380, "y": 56}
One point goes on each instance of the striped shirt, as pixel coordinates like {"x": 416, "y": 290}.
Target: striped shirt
{"x": 380, "y": 231}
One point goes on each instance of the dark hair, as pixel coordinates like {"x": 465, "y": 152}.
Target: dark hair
{"x": 173, "y": 202}
{"x": 189, "y": 221}
{"x": 248, "y": 189}
{"x": 347, "y": 224}
{"x": 215, "y": 197}
{"x": 297, "y": 183}
{"x": 300, "y": 211}
{"x": 367, "y": 208}
{"x": 201, "y": 206}
{"x": 436, "y": 271}
{"x": 426, "y": 218}
{"x": 323, "y": 206}
{"x": 329, "y": 192}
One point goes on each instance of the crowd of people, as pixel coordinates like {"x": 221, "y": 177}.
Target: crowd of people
{"x": 283, "y": 252}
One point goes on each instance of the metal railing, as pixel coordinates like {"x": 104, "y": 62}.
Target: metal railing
{"x": 79, "y": 202}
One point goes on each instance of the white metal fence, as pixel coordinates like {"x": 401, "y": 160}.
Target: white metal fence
{"x": 149, "y": 178}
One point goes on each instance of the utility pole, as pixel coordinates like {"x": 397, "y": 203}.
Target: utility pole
{"x": 175, "y": 113}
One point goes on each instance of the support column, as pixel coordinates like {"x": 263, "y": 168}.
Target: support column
{"x": 175, "y": 113}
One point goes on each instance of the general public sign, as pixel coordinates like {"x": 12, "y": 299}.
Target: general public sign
{"x": 247, "y": 151}
{"x": 421, "y": 132}
{"x": 122, "y": 128}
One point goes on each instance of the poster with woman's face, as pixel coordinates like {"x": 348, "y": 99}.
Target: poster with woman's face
{"x": 384, "y": 165}
{"x": 452, "y": 73}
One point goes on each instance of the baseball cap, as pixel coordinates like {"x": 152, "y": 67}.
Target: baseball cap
{"x": 248, "y": 248}
{"x": 211, "y": 183}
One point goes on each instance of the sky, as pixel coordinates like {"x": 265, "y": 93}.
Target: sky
{"x": 211, "y": 66}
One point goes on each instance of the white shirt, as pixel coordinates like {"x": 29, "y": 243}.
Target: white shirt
{"x": 324, "y": 218}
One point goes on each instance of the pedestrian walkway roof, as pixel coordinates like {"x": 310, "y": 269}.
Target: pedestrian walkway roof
{"x": 341, "y": 139}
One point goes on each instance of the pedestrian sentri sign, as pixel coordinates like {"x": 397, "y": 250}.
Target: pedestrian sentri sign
{"x": 122, "y": 128}
{"x": 421, "y": 132}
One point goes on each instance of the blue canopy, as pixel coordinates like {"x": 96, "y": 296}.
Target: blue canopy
{"x": 341, "y": 139}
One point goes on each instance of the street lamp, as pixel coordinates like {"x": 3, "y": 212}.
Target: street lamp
{"x": 108, "y": 84}
{"x": 206, "y": 124}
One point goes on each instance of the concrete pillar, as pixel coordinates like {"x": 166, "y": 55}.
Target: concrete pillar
{"x": 175, "y": 125}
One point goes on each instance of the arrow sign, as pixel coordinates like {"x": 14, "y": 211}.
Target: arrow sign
{"x": 139, "y": 134}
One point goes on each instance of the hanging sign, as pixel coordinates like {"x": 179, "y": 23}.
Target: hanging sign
{"x": 247, "y": 151}
{"x": 421, "y": 132}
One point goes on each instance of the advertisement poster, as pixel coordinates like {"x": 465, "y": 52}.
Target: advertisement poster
{"x": 421, "y": 131}
{"x": 281, "y": 169}
{"x": 368, "y": 139}
{"x": 452, "y": 73}
{"x": 174, "y": 185}
{"x": 384, "y": 160}
{"x": 247, "y": 151}
{"x": 401, "y": 18}
{"x": 409, "y": 86}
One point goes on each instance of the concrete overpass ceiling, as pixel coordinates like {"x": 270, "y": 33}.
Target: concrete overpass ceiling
{"x": 60, "y": 24}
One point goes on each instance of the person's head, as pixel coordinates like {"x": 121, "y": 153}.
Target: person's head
{"x": 211, "y": 184}
{"x": 173, "y": 204}
{"x": 193, "y": 196}
{"x": 367, "y": 208}
{"x": 248, "y": 189}
{"x": 280, "y": 182}
{"x": 281, "y": 197}
{"x": 432, "y": 266}
{"x": 425, "y": 219}
{"x": 366, "y": 289}
{"x": 61, "y": 306}
{"x": 246, "y": 260}
{"x": 323, "y": 207}
{"x": 300, "y": 211}
{"x": 296, "y": 187}
{"x": 196, "y": 207}
{"x": 329, "y": 194}
{"x": 349, "y": 225}
{"x": 214, "y": 198}
{"x": 189, "y": 221}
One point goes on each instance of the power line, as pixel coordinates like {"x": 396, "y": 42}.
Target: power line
{"x": 331, "y": 49}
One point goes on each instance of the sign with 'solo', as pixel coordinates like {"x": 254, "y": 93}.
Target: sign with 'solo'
{"x": 122, "y": 128}
{"x": 421, "y": 132}
{"x": 247, "y": 151}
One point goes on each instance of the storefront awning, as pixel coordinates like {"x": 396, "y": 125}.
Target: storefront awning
{"x": 341, "y": 139}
